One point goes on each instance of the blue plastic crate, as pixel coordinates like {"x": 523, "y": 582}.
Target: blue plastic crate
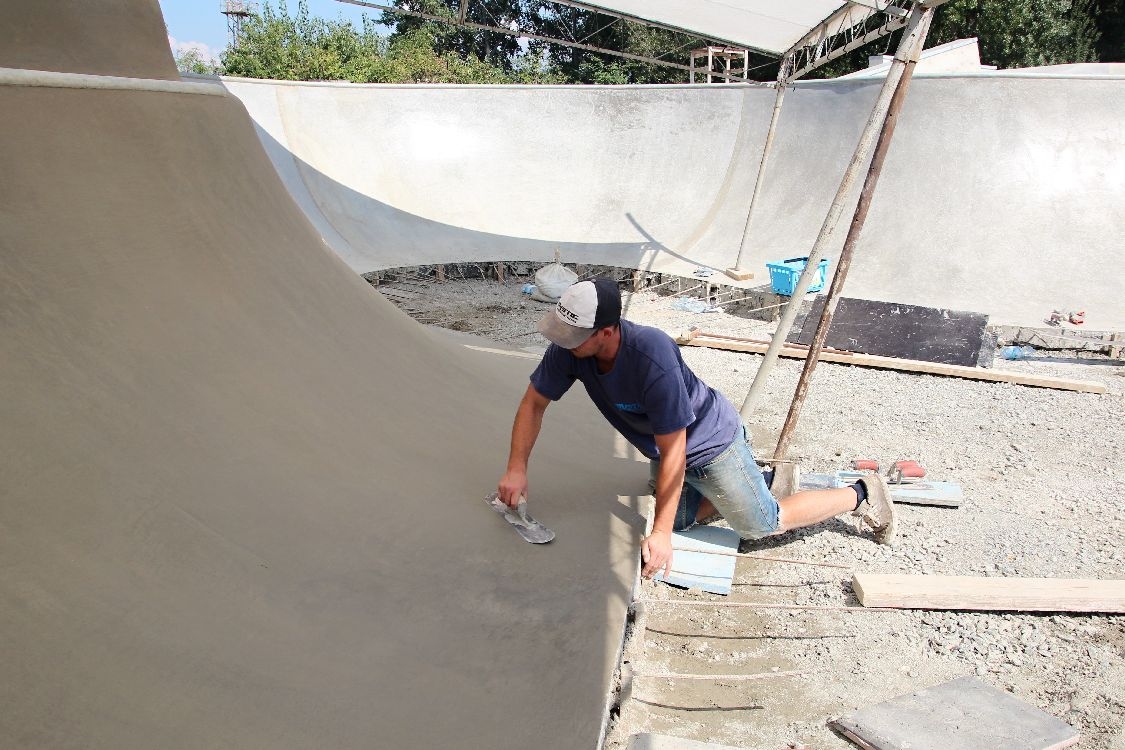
{"x": 784, "y": 275}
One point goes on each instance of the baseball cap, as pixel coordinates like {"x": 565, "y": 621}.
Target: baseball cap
{"x": 583, "y": 308}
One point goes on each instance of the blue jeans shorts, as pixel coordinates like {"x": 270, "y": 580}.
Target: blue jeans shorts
{"x": 735, "y": 485}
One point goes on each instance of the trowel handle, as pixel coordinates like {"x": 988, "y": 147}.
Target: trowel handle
{"x": 521, "y": 507}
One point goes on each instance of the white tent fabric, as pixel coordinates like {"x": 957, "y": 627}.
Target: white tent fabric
{"x": 766, "y": 25}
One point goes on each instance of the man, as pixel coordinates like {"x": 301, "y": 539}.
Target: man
{"x": 698, "y": 447}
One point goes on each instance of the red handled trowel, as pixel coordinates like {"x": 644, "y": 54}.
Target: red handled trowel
{"x": 526, "y": 526}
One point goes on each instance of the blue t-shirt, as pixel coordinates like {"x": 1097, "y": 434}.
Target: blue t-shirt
{"x": 650, "y": 391}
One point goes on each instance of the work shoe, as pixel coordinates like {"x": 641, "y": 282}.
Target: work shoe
{"x": 786, "y": 480}
{"x": 877, "y": 511}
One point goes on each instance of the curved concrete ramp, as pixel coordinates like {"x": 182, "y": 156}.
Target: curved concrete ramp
{"x": 1001, "y": 193}
{"x": 109, "y": 37}
{"x": 407, "y": 175}
{"x": 242, "y": 496}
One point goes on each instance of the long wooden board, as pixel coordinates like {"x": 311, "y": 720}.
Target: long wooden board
{"x": 990, "y": 594}
{"x": 797, "y": 351}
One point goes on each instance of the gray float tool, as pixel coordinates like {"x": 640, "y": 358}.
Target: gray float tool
{"x": 526, "y": 526}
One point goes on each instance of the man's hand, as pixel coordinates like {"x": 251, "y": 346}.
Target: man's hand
{"x": 529, "y": 418}
{"x": 656, "y": 551}
{"x": 513, "y": 485}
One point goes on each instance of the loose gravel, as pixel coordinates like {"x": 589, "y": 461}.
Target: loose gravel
{"x": 1044, "y": 493}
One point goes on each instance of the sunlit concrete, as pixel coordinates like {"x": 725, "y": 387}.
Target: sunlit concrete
{"x": 1001, "y": 193}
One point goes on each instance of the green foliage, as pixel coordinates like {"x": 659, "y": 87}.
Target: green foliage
{"x": 1021, "y": 33}
{"x": 276, "y": 45}
{"x": 1110, "y": 19}
{"x": 495, "y": 48}
{"x": 190, "y": 61}
{"x": 1010, "y": 33}
{"x": 597, "y": 30}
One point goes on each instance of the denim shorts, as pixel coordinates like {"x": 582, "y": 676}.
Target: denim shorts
{"x": 734, "y": 484}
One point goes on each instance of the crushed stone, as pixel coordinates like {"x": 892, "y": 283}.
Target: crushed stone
{"x": 1044, "y": 488}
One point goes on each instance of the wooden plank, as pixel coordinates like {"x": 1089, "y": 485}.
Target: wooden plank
{"x": 965, "y": 713}
{"x": 756, "y": 346}
{"x": 990, "y": 594}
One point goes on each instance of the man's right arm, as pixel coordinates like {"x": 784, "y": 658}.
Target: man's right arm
{"x": 525, "y": 429}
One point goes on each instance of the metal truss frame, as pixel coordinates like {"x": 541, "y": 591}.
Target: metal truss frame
{"x": 851, "y": 27}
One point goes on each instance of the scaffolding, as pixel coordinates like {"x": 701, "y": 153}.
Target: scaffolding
{"x": 236, "y": 11}
{"x": 734, "y": 63}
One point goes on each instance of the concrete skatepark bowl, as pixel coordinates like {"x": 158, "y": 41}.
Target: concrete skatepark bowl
{"x": 242, "y": 494}
{"x": 1001, "y": 193}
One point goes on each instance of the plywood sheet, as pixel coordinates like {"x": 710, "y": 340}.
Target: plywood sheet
{"x": 892, "y": 329}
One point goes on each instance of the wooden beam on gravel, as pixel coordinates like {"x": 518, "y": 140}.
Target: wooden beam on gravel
{"x": 695, "y": 337}
{"x": 989, "y": 594}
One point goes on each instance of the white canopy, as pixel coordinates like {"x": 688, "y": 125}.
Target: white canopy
{"x": 768, "y": 25}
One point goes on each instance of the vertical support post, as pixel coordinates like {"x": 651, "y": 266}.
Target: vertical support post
{"x": 909, "y": 48}
{"x": 854, "y": 231}
{"x": 739, "y": 270}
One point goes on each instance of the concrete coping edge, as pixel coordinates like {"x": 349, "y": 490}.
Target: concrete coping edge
{"x": 50, "y": 79}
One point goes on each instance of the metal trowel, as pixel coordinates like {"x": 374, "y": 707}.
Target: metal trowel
{"x": 526, "y": 526}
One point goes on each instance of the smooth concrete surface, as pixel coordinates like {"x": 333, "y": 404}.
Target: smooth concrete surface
{"x": 1001, "y": 193}
{"x": 242, "y": 494}
{"x": 102, "y": 37}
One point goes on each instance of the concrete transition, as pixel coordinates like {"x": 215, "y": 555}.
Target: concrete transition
{"x": 242, "y": 494}
{"x": 1001, "y": 193}
{"x": 242, "y": 497}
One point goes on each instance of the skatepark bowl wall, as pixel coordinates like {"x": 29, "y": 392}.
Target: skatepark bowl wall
{"x": 1001, "y": 192}
{"x": 242, "y": 502}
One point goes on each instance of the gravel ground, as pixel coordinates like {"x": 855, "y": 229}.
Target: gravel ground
{"x": 1044, "y": 497}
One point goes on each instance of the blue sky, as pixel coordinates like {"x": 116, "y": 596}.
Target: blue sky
{"x": 200, "y": 24}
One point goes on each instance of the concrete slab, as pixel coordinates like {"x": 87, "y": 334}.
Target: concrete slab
{"x": 666, "y": 742}
{"x": 964, "y": 713}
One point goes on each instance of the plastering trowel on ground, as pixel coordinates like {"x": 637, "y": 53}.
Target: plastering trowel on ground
{"x": 526, "y": 526}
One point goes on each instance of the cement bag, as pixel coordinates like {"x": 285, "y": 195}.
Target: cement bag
{"x": 551, "y": 281}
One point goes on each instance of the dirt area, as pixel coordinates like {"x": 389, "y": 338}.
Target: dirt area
{"x": 1044, "y": 497}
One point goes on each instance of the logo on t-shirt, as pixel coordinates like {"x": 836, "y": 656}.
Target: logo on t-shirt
{"x": 635, "y": 408}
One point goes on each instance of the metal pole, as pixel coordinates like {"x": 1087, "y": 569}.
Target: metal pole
{"x": 820, "y": 247}
{"x": 845, "y": 261}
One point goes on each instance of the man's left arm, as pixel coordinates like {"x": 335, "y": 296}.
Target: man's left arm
{"x": 656, "y": 549}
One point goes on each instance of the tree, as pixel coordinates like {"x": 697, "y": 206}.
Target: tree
{"x": 1010, "y": 33}
{"x": 501, "y": 50}
{"x": 276, "y": 45}
{"x": 1021, "y": 33}
{"x": 1110, "y": 20}
{"x": 190, "y": 61}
